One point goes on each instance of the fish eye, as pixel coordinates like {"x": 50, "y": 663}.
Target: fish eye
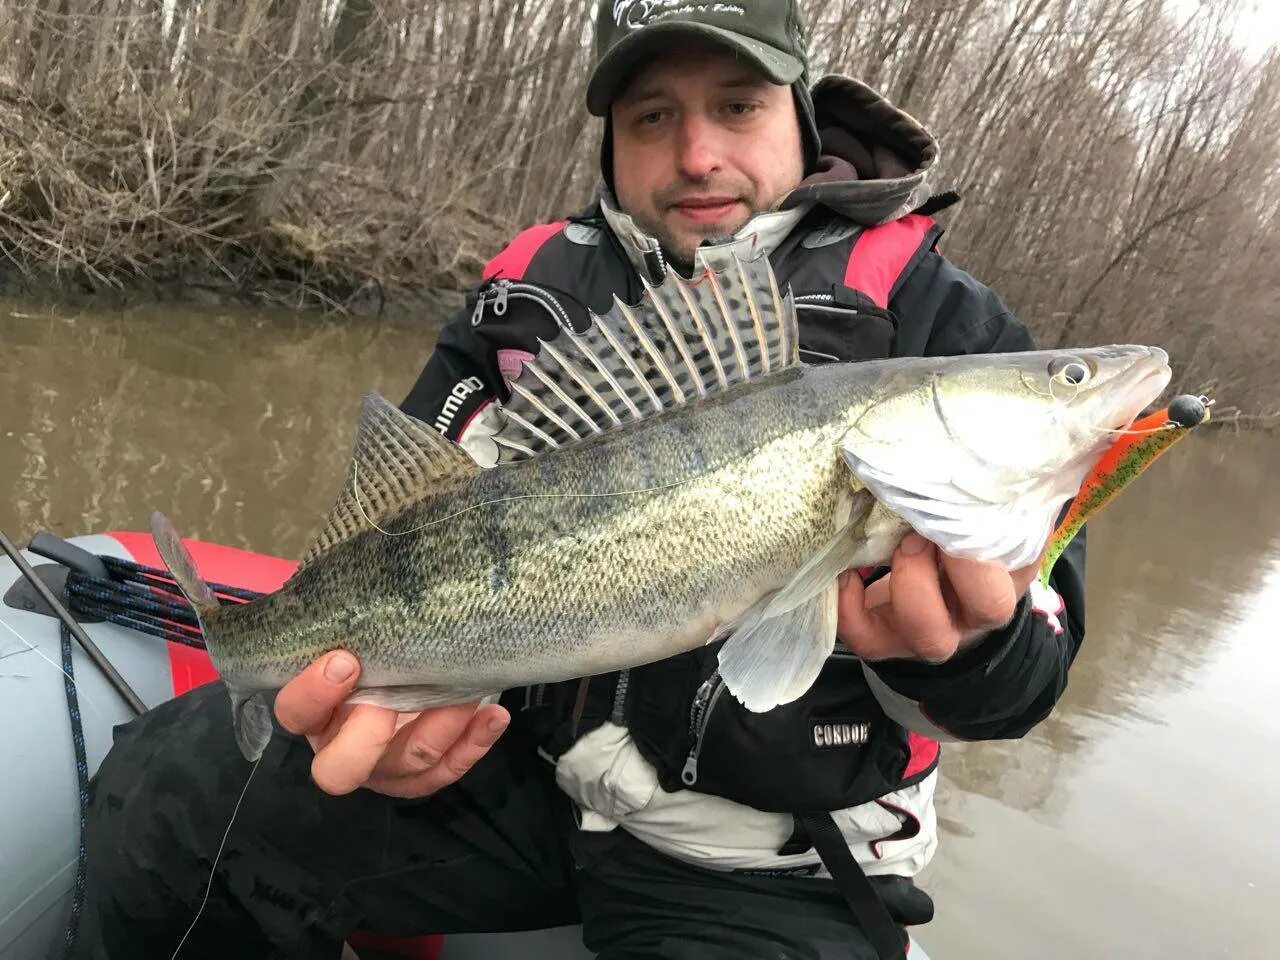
{"x": 1070, "y": 371}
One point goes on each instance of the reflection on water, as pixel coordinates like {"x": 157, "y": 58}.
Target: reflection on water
{"x": 1135, "y": 822}
{"x": 1169, "y": 565}
{"x": 236, "y": 425}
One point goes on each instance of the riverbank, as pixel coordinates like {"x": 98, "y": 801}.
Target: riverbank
{"x": 196, "y": 289}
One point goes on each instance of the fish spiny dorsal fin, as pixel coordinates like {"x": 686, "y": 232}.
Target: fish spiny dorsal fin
{"x": 684, "y": 340}
{"x": 396, "y": 460}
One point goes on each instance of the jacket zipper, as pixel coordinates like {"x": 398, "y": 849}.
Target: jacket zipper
{"x": 618, "y": 714}
{"x": 704, "y": 701}
{"x": 511, "y": 290}
{"x": 656, "y": 252}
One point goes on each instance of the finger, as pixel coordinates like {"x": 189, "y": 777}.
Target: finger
{"x": 984, "y": 592}
{"x": 854, "y": 626}
{"x": 917, "y": 608}
{"x": 336, "y": 719}
{"x": 306, "y": 703}
{"x": 1023, "y": 576}
{"x": 420, "y": 745}
{"x": 347, "y": 760}
{"x": 860, "y": 625}
{"x": 481, "y": 733}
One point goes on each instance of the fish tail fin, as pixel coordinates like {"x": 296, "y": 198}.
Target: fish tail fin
{"x": 251, "y": 719}
{"x": 181, "y": 567}
{"x": 250, "y": 708}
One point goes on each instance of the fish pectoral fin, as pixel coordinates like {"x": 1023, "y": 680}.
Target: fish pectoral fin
{"x": 251, "y": 719}
{"x": 778, "y": 650}
{"x": 1011, "y": 532}
{"x": 684, "y": 340}
{"x": 844, "y": 550}
{"x": 413, "y": 697}
{"x": 777, "y": 659}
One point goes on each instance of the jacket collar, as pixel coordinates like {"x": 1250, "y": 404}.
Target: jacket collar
{"x": 762, "y": 233}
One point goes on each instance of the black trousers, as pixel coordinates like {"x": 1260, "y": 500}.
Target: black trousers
{"x": 497, "y": 851}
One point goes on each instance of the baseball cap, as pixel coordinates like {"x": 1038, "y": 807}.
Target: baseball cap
{"x": 768, "y": 33}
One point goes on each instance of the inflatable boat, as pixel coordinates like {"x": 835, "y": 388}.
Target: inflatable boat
{"x": 136, "y": 645}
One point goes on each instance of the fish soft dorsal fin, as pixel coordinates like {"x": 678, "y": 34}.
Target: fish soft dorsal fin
{"x": 396, "y": 459}
{"x": 685, "y": 339}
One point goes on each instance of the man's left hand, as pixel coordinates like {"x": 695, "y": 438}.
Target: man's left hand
{"x": 930, "y": 606}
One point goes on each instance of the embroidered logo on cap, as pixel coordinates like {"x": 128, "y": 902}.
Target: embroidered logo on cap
{"x": 640, "y": 13}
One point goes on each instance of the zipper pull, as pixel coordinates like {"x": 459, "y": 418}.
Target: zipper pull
{"x": 500, "y": 305}
{"x": 703, "y": 693}
{"x": 698, "y": 714}
{"x": 478, "y": 313}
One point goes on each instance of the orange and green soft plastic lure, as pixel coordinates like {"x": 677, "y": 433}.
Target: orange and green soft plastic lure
{"x": 1134, "y": 450}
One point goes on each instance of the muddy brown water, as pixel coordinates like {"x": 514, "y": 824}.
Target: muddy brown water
{"x": 1139, "y": 821}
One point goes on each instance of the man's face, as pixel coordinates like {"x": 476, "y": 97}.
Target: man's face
{"x": 701, "y": 143}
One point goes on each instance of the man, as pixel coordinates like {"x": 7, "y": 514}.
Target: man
{"x": 667, "y": 820}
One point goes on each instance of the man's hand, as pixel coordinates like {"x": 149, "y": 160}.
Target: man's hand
{"x": 929, "y": 606}
{"x": 397, "y": 754}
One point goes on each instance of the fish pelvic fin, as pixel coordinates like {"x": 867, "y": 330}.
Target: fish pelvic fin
{"x": 251, "y": 719}
{"x": 181, "y": 567}
{"x": 684, "y": 340}
{"x": 776, "y": 659}
{"x": 396, "y": 460}
{"x": 777, "y": 651}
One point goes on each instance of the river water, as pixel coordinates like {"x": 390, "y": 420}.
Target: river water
{"x": 1137, "y": 822}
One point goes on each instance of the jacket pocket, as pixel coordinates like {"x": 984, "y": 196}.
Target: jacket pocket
{"x": 832, "y": 748}
{"x": 605, "y": 772}
{"x": 842, "y": 326}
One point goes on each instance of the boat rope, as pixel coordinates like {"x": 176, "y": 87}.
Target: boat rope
{"x": 145, "y": 599}
{"x": 82, "y": 778}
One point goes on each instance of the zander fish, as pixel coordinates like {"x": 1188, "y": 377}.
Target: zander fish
{"x": 668, "y": 476}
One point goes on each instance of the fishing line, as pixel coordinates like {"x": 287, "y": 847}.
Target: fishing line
{"x": 1122, "y": 432}
{"x": 488, "y": 503}
{"x": 1029, "y": 383}
{"x": 217, "y": 857}
{"x": 36, "y": 650}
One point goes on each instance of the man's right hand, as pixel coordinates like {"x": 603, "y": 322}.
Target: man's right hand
{"x": 362, "y": 745}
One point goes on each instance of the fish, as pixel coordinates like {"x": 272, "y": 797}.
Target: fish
{"x": 667, "y": 476}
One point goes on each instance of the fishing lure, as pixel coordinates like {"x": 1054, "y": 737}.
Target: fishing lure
{"x": 1135, "y": 450}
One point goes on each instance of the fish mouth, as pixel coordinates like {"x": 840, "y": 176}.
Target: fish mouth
{"x": 1146, "y": 389}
